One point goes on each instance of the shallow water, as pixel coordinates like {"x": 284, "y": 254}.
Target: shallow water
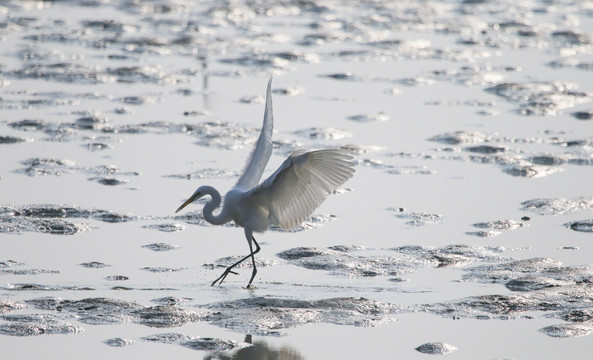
{"x": 466, "y": 230}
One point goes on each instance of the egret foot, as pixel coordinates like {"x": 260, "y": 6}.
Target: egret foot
{"x": 224, "y": 275}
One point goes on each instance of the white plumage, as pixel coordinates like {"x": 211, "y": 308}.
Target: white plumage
{"x": 286, "y": 198}
{"x": 301, "y": 184}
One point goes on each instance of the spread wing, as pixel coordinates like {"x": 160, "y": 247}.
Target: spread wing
{"x": 263, "y": 148}
{"x": 302, "y": 183}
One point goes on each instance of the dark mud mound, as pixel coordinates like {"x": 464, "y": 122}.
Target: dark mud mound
{"x": 355, "y": 261}
{"x": 452, "y": 255}
{"x": 437, "y": 348}
{"x": 195, "y": 342}
{"x": 33, "y": 325}
{"x": 577, "y": 315}
{"x": 103, "y": 174}
{"x": 167, "y": 227}
{"x": 47, "y": 166}
{"x": 349, "y": 264}
{"x": 365, "y": 118}
{"x": 506, "y": 307}
{"x": 268, "y": 316}
{"x": 581, "y": 225}
{"x": 557, "y": 206}
{"x": 7, "y": 306}
{"x": 160, "y": 247}
{"x": 51, "y": 218}
{"x": 119, "y": 342}
{"x": 530, "y": 274}
{"x": 10, "y": 139}
{"x": 567, "y": 330}
{"x": 164, "y": 316}
{"x": 520, "y": 157}
{"x": 417, "y": 219}
{"x": 500, "y": 225}
{"x": 539, "y": 284}
{"x": 170, "y": 300}
{"x": 495, "y": 228}
{"x": 92, "y": 311}
{"x": 49, "y": 226}
{"x": 27, "y": 271}
{"x": 94, "y": 265}
{"x": 161, "y": 269}
{"x": 461, "y": 138}
{"x": 540, "y": 98}
{"x": 98, "y": 311}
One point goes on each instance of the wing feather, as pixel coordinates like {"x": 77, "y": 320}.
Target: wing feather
{"x": 302, "y": 183}
{"x": 263, "y": 148}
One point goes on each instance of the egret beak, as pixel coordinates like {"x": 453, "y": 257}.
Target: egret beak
{"x": 187, "y": 202}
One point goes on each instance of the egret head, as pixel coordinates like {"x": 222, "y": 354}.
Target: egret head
{"x": 200, "y": 192}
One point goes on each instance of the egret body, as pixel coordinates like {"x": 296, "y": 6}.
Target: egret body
{"x": 286, "y": 198}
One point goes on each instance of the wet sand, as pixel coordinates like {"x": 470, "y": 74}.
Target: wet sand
{"x": 465, "y": 232}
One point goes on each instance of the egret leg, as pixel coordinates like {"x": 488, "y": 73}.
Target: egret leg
{"x": 229, "y": 270}
{"x": 257, "y": 248}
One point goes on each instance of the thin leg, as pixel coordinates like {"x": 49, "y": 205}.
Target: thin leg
{"x": 253, "y": 259}
{"x": 228, "y": 270}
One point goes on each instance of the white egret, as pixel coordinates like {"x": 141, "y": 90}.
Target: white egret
{"x": 286, "y": 198}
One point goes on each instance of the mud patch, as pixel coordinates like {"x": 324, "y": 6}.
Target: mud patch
{"x": 507, "y": 307}
{"x": 27, "y": 271}
{"x": 195, "y": 342}
{"x": 50, "y": 219}
{"x": 349, "y": 264}
{"x": 97, "y": 311}
{"x": 7, "y": 306}
{"x": 10, "y": 139}
{"x": 94, "y": 265}
{"x": 168, "y": 227}
{"x": 417, "y": 219}
{"x": 367, "y": 118}
{"x": 514, "y": 156}
{"x": 268, "y": 316}
{"x": 581, "y": 225}
{"x": 452, "y": 255}
{"x": 436, "y": 348}
{"x": 34, "y": 327}
{"x": 160, "y": 269}
{"x": 161, "y": 247}
{"x": 119, "y": 342}
{"x": 557, "y": 206}
{"x": 567, "y": 330}
{"x": 461, "y": 137}
{"x": 495, "y": 228}
{"x": 355, "y": 261}
{"x": 538, "y": 285}
{"x": 541, "y": 98}
{"x": 530, "y": 274}
{"x": 170, "y": 300}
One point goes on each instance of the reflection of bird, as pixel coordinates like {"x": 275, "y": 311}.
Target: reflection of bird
{"x": 286, "y": 198}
